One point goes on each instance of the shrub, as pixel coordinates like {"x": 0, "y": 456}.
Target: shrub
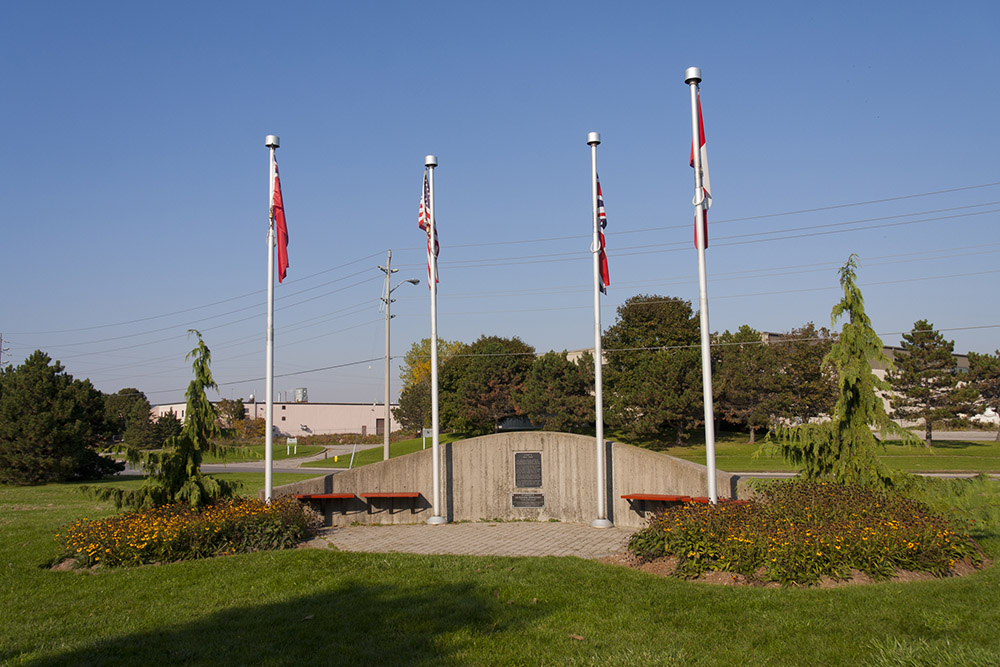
{"x": 179, "y": 532}
{"x": 797, "y": 532}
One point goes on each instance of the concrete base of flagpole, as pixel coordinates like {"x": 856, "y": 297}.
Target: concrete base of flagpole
{"x": 436, "y": 521}
{"x": 601, "y": 523}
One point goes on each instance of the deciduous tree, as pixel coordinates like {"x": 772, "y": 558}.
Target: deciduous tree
{"x": 744, "y": 378}
{"x": 653, "y": 372}
{"x": 481, "y": 382}
{"x": 558, "y": 394}
{"x": 128, "y": 416}
{"x": 804, "y": 388}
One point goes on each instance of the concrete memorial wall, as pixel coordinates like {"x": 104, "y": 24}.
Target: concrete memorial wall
{"x": 537, "y": 475}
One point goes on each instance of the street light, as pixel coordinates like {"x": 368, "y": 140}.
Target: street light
{"x": 387, "y": 300}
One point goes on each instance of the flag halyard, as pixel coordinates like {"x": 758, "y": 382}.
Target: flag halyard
{"x": 424, "y": 222}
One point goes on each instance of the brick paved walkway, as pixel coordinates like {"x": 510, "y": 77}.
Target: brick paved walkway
{"x": 481, "y": 539}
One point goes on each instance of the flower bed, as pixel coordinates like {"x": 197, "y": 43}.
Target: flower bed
{"x": 177, "y": 532}
{"x": 797, "y": 532}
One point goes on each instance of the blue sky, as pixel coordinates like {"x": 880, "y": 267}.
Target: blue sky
{"x": 135, "y": 178}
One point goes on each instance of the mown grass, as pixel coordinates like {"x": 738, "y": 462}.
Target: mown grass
{"x": 304, "y": 607}
{"x": 257, "y": 452}
{"x": 733, "y": 453}
{"x": 375, "y": 454}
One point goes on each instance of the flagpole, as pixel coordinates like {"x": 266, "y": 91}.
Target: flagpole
{"x": 430, "y": 162}
{"x": 272, "y": 142}
{"x": 692, "y": 77}
{"x": 593, "y": 139}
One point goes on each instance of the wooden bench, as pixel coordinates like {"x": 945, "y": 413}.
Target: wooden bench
{"x": 639, "y": 500}
{"x": 373, "y": 496}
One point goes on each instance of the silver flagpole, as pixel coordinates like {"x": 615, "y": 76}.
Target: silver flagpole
{"x": 593, "y": 139}
{"x": 272, "y": 142}
{"x": 431, "y": 162}
{"x": 692, "y": 77}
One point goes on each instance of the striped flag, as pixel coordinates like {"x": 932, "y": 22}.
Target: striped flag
{"x": 706, "y": 183}
{"x": 602, "y": 218}
{"x": 424, "y": 222}
{"x": 281, "y": 230}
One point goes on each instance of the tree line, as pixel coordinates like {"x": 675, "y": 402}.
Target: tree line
{"x": 653, "y": 385}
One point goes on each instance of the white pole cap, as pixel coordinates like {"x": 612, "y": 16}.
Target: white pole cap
{"x": 593, "y": 138}
{"x": 272, "y": 141}
{"x": 430, "y": 160}
{"x": 692, "y": 75}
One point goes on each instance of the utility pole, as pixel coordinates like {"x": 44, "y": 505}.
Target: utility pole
{"x": 3, "y": 350}
{"x": 387, "y": 300}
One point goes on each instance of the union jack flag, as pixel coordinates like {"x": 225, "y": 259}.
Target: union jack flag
{"x": 602, "y": 218}
{"x": 424, "y": 222}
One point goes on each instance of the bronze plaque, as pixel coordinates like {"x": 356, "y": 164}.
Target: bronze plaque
{"x": 528, "y": 500}
{"x": 528, "y": 470}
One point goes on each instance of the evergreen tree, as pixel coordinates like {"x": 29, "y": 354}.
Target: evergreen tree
{"x": 166, "y": 427}
{"x": 50, "y": 425}
{"x": 984, "y": 376}
{"x": 558, "y": 394}
{"x": 925, "y": 382}
{"x": 174, "y": 475}
{"x": 844, "y": 448}
{"x": 414, "y": 410}
{"x": 653, "y": 371}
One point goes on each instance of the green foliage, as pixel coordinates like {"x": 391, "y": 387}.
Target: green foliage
{"x": 179, "y": 532}
{"x": 416, "y": 367}
{"x": 744, "y": 378}
{"x": 558, "y": 394}
{"x": 128, "y": 415}
{"x": 414, "y": 411}
{"x": 984, "y": 376}
{"x": 806, "y": 389}
{"x": 478, "y": 386}
{"x": 174, "y": 475}
{"x": 844, "y": 448}
{"x": 167, "y": 426}
{"x": 799, "y": 531}
{"x": 925, "y": 382}
{"x": 50, "y": 425}
{"x": 653, "y": 373}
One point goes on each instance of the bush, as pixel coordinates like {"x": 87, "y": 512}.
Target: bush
{"x": 797, "y": 532}
{"x": 178, "y": 532}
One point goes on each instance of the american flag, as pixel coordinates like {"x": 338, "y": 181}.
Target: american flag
{"x": 424, "y": 222}
{"x": 602, "y": 218}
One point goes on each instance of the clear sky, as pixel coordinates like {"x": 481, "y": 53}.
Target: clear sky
{"x": 135, "y": 174}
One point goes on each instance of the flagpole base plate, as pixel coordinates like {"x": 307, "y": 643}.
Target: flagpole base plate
{"x": 601, "y": 523}
{"x": 436, "y": 521}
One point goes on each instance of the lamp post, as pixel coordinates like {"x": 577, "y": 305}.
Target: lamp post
{"x": 387, "y": 300}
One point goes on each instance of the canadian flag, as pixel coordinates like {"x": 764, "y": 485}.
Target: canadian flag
{"x": 278, "y": 215}
{"x": 706, "y": 183}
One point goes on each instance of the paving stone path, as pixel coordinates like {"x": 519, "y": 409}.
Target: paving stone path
{"x": 480, "y": 539}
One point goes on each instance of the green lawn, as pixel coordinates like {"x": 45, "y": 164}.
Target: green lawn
{"x": 366, "y": 456}
{"x": 734, "y": 453}
{"x": 303, "y": 607}
{"x": 256, "y": 453}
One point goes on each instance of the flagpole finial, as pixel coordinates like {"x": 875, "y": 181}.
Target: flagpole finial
{"x": 272, "y": 141}
{"x": 593, "y": 138}
{"x": 692, "y": 75}
{"x": 430, "y": 160}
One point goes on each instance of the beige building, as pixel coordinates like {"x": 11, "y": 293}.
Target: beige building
{"x": 299, "y": 419}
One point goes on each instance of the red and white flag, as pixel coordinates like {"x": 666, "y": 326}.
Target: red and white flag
{"x": 706, "y": 183}
{"x": 281, "y": 230}
{"x": 424, "y": 222}
{"x": 602, "y": 218}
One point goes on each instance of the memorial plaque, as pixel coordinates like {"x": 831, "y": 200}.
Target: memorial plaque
{"x": 529, "y": 500}
{"x": 528, "y": 470}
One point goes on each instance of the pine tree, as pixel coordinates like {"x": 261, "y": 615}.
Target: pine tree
{"x": 845, "y": 449}
{"x": 174, "y": 475}
{"x": 984, "y": 377}
{"x": 925, "y": 382}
